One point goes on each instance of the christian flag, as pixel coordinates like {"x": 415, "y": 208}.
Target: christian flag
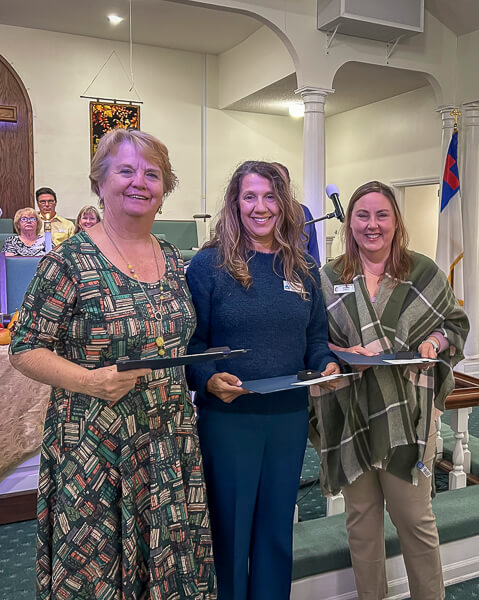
{"x": 450, "y": 247}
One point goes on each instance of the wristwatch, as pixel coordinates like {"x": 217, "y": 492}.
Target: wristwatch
{"x": 433, "y": 343}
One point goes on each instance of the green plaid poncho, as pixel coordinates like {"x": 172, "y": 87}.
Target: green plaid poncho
{"x": 381, "y": 418}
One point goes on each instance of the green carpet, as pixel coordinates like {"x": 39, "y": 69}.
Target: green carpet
{"x": 17, "y": 566}
{"x": 17, "y": 540}
{"x": 17, "y": 561}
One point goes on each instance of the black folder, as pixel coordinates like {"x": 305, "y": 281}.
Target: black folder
{"x": 187, "y": 359}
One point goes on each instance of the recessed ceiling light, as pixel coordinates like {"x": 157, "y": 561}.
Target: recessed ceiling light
{"x": 115, "y": 19}
{"x": 296, "y": 110}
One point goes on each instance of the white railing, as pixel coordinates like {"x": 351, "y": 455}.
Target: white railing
{"x": 459, "y": 403}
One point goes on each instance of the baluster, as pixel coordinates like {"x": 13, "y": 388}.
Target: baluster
{"x": 457, "y": 477}
{"x": 465, "y": 443}
{"x": 439, "y": 440}
{"x": 335, "y": 505}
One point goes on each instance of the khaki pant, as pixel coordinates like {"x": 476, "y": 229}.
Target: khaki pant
{"x": 410, "y": 509}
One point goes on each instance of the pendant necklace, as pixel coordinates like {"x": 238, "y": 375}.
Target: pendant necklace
{"x": 379, "y": 277}
{"x": 157, "y": 314}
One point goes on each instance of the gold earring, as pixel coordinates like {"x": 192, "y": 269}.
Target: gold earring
{"x": 160, "y": 212}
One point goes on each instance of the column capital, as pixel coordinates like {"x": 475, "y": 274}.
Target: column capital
{"x": 446, "y": 108}
{"x": 445, "y": 112}
{"x": 317, "y": 92}
{"x": 471, "y": 114}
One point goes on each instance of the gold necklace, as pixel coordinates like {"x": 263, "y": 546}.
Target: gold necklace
{"x": 379, "y": 277}
{"x": 157, "y": 314}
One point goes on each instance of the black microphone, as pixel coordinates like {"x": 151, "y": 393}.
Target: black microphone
{"x": 333, "y": 193}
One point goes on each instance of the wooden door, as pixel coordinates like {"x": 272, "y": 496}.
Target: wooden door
{"x": 16, "y": 142}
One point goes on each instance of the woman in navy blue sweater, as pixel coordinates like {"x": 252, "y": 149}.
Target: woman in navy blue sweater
{"x": 254, "y": 287}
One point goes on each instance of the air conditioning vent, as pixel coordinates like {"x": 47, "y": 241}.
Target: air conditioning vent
{"x": 382, "y": 20}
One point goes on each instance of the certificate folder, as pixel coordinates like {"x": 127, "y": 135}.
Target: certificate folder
{"x": 187, "y": 359}
{"x": 286, "y": 382}
{"x": 384, "y": 360}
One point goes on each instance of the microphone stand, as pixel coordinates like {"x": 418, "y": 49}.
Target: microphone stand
{"x": 330, "y": 215}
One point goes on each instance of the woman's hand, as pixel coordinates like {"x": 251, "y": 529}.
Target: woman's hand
{"x": 47, "y": 367}
{"x": 359, "y": 350}
{"x": 332, "y": 368}
{"x": 426, "y": 350}
{"x": 355, "y": 350}
{"x": 107, "y": 383}
{"x": 225, "y": 386}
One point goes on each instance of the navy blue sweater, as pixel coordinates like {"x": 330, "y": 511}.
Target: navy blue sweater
{"x": 286, "y": 333}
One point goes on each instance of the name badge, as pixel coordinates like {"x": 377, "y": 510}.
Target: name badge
{"x": 288, "y": 286}
{"x": 422, "y": 467}
{"x": 344, "y": 288}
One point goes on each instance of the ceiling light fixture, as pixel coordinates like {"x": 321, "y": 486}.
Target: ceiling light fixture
{"x": 296, "y": 110}
{"x": 115, "y": 19}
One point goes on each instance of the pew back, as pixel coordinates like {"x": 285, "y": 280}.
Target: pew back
{"x": 16, "y": 272}
{"x": 183, "y": 234}
{"x": 6, "y": 226}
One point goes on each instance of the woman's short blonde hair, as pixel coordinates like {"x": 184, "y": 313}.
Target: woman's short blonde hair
{"x": 28, "y": 211}
{"x": 91, "y": 210}
{"x": 147, "y": 145}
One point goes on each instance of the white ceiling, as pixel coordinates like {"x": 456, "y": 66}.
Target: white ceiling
{"x": 355, "y": 84}
{"x": 171, "y": 24}
{"x": 460, "y": 16}
{"x": 154, "y": 22}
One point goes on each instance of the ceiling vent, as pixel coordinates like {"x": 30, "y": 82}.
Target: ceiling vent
{"x": 382, "y": 20}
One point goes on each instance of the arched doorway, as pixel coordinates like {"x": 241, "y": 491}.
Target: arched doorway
{"x": 16, "y": 142}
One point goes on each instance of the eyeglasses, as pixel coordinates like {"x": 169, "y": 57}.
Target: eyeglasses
{"x": 28, "y": 219}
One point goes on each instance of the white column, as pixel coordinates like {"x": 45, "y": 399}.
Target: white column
{"x": 447, "y": 127}
{"x": 470, "y": 217}
{"x": 314, "y": 158}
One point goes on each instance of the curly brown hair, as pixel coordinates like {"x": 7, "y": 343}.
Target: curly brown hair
{"x": 399, "y": 260}
{"x": 233, "y": 241}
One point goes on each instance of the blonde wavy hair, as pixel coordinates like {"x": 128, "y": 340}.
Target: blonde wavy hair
{"x": 399, "y": 262}
{"x": 233, "y": 241}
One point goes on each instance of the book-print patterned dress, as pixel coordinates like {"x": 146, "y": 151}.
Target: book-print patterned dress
{"x": 121, "y": 508}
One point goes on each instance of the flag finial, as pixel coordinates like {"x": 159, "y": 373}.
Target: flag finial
{"x": 455, "y": 114}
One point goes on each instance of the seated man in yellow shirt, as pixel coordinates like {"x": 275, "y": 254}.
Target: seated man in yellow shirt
{"x": 62, "y": 228}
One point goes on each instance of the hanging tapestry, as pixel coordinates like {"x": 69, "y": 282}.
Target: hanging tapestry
{"x": 105, "y": 117}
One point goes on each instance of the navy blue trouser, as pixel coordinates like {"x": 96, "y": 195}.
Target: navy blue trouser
{"x": 252, "y": 465}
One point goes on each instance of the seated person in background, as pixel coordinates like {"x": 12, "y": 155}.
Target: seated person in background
{"x": 62, "y": 228}
{"x": 86, "y": 218}
{"x": 28, "y": 242}
{"x": 310, "y": 238}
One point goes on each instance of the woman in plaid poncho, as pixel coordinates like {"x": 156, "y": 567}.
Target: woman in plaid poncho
{"x": 376, "y": 433}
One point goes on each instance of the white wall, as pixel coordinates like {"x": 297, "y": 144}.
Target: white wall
{"x": 238, "y": 136}
{"x": 421, "y": 217}
{"x": 398, "y": 138}
{"x": 57, "y": 68}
